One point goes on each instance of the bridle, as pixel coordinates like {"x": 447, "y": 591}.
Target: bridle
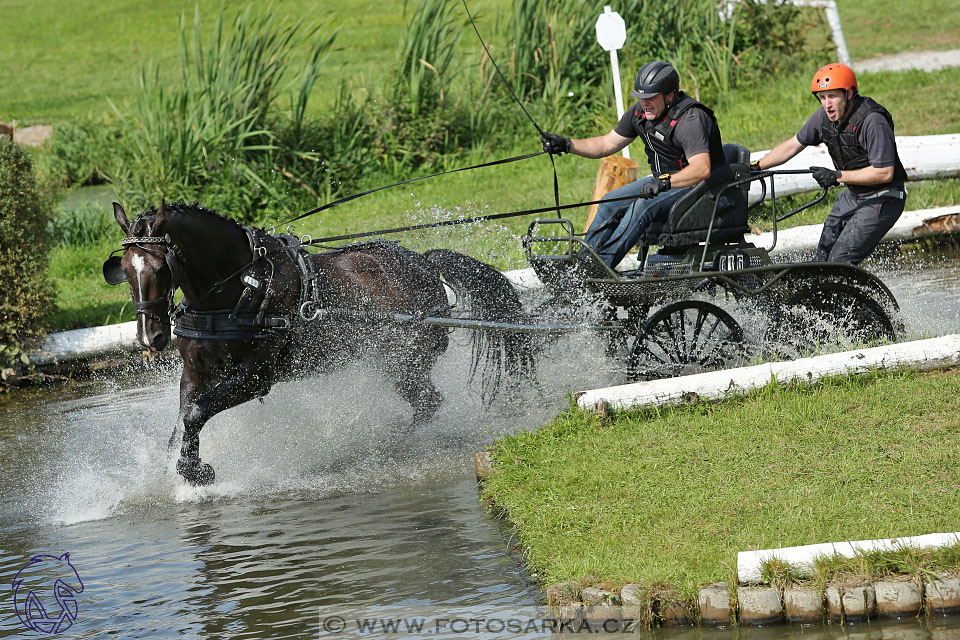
{"x": 173, "y": 258}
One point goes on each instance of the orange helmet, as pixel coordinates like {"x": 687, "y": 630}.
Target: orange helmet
{"x": 834, "y": 76}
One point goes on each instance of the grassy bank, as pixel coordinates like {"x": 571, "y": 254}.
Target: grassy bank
{"x": 667, "y": 497}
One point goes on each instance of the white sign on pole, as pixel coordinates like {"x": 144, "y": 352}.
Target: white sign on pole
{"x": 611, "y": 34}
{"x": 611, "y": 30}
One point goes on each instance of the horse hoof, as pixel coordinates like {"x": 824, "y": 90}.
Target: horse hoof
{"x": 195, "y": 472}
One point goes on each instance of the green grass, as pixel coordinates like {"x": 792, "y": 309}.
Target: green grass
{"x": 875, "y": 27}
{"x": 63, "y": 58}
{"x": 83, "y": 298}
{"x": 668, "y": 496}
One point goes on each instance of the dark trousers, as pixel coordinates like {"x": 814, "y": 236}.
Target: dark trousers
{"x": 855, "y": 226}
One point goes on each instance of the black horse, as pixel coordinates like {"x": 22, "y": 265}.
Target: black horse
{"x": 258, "y": 308}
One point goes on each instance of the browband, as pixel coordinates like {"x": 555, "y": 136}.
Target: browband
{"x": 145, "y": 240}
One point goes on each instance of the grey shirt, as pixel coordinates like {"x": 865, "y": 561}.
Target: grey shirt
{"x": 875, "y": 135}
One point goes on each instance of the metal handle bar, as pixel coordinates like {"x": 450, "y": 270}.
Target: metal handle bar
{"x": 773, "y": 199}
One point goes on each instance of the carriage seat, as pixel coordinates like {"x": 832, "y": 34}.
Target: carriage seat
{"x": 689, "y": 217}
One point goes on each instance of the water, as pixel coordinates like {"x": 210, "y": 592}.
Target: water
{"x": 319, "y": 508}
{"x": 928, "y": 291}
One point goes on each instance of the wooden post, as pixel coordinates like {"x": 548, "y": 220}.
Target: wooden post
{"x": 615, "y": 172}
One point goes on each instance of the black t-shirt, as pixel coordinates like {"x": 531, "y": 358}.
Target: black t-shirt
{"x": 875, "y": 135}
{"x": 692, "y": 131}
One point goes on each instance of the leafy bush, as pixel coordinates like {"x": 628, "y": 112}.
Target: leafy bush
{"x": 26, "y": 294}
{"x": 554, "y": 49}
{"x": 782, "y": 38}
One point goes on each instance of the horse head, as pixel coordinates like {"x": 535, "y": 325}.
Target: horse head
{"x": 150, "y": 264}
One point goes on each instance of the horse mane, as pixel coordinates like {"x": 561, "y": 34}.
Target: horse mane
{"x": 175, "y": 208}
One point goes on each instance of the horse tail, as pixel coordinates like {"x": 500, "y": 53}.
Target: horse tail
{"x": 487, "y": 295}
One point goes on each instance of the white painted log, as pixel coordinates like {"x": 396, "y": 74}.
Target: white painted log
{"x": 924, "y": 158}
{"x": 749, "y": 563}
{"x": 804, "y": 239}
{"x": 933, "y": 353}
{"x": 65, "y": 346}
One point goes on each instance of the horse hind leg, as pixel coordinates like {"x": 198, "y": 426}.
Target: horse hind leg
{"x": 409, "y": 362}
{"x": 423, "y": 397}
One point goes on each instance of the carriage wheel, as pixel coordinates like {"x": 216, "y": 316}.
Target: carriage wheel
{"x": 686, "y": 337}
{"x": 832, "y": 315}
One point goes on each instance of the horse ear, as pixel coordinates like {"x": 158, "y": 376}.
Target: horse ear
{"x": 163, "y": 209}
{"x": 121, "y": 217}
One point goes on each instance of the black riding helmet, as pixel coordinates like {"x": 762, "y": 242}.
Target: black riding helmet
{"x": 655, "y": 77}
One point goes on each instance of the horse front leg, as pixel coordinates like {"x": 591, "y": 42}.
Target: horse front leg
{"x": 249, "y": 381}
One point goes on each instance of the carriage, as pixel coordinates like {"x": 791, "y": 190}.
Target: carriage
{"x": 676, "y": 313}
{"x": 672, "y": 315}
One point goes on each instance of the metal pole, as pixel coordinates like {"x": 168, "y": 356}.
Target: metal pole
{"x": 833, "y": 18}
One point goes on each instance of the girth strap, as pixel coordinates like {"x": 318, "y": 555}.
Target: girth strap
{"x": 223, "y": 324}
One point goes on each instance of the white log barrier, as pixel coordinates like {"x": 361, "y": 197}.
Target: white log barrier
{"x": 933, "y": 353}
{"x": 924, "y": 158}
{"x": 92, "y": 342}
{"x": 805, "y": 238}
{"x": 750, "y": 563}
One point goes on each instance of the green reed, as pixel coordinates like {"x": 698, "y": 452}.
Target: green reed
{"x": 221, "y": 110}
{"x": 426, "y": 53}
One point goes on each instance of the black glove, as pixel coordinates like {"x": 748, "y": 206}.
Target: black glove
{"x": 755, "y": 167}
{"x": 554, "y": 144}
{"x": 826, "y": 178}
{"x": 653, "y": 188}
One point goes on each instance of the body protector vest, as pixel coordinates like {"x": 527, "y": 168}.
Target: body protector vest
{"x": 663, "y": 152}
{"x": 841, "y": 138}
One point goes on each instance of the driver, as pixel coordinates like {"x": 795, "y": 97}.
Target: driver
{"x": 858, "y": 133}
{"x": 682, "y": 142}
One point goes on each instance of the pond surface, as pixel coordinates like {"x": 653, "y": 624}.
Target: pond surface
{"x": 319, "y": 508}
{"x": 318, "y": 505}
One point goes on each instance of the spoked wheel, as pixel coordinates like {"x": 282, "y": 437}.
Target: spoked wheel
{"x": 686, "y": 337}
{"x": 831, "y": 315}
